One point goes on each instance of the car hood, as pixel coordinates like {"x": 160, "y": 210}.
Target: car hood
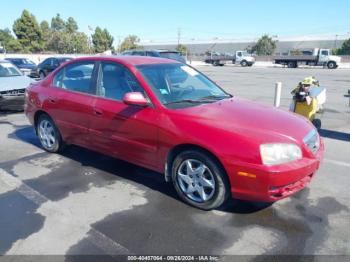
{"x": 14, "y": 82}
{"x": 265, "y": 123}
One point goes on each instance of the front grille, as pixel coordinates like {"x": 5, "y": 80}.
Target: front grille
{"x": 14, "y": 92}
{"x": 312, "y": 141}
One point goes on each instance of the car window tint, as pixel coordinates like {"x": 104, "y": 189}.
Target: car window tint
{"x": 78, "y": 77}
{"x": 116, "y": 81}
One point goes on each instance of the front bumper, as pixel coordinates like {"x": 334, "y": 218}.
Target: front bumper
{"x": 271, "y": 183}
{"x": 15, "y": 102}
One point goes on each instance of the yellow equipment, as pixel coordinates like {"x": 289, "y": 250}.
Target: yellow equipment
{"x": 308, "y": 99}
{"x": 309, "y": 111}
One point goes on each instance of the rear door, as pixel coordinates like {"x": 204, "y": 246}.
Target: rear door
{"x": 70, "y": 100}
{"x": 125, "y": 131}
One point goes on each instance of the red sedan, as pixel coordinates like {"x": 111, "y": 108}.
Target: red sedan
{"x": 168, "y": 117}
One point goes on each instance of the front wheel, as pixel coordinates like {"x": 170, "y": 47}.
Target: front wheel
{"x": 41, "y": 75}
{"x": 244, "y": 63}
{"x": 332, "y": 65}
{"x": 199, "y": 180}
{"x": 49, "y": 136}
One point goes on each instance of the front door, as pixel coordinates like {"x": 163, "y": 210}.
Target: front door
{"x": 125, "y": 131}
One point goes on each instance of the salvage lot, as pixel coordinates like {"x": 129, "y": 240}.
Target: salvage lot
{"x": 82, "y": 202}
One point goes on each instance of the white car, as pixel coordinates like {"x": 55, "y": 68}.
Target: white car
{"x": 12, "y": 86}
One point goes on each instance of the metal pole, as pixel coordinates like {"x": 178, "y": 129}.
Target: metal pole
{"x": 278, "y": 89}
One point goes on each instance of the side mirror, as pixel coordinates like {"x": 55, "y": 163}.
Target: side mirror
{"x": 136, "y": 99}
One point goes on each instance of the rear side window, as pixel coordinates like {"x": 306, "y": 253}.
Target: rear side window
{"x": 76, "y": 77}
{"x": 115, "y": 81}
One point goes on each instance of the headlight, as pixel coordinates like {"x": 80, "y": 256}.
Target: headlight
{"x": 275, "y": 154}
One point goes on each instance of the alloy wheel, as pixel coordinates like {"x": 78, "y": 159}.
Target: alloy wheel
{"x": 196, "y": 180}
{"x": 47, "y": 135}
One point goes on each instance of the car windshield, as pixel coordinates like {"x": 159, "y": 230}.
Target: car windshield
{"x": 8, "y": 69}
{"x": 28, "y": 62}
{"x": 245, "y": 53}
{"x": 177, "y": 85}
{"x": 23, "y": 61}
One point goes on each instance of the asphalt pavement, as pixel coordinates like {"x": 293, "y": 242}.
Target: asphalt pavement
{"x": 81, "y": 202}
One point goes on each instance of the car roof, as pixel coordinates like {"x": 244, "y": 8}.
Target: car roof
{"x": 4, "y": 61}
{"x": 131, "y": 60}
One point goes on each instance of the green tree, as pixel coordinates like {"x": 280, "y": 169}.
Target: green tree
{"x": 102, "y": 40}
{"x": 71, "y": 25}
{"x": 182, "y": 49}
{"x": 265, "y": 46}
{"x": 345, "y": 48}
{"x": 10, "y": 43}
{"x": 46, "y": 34}
{"x": 57, "y": 23}
{"x": 130, "y": 42}
{"x": 28, "y": 32}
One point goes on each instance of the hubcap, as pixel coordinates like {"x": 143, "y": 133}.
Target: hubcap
{"x": 196, "y": 180}
{"x": 46, "y": 134}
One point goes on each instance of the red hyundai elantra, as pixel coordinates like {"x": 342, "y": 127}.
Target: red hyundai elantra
{"x": 168, "y": 117}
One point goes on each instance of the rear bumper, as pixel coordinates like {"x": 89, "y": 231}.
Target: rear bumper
{"x": 268, "y": 184}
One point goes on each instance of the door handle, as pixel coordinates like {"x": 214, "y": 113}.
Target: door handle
{"x": 52, "y": 100}
{"x": 98, "y": 112}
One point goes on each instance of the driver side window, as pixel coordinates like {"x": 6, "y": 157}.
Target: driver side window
{"x": 115, "y": 81}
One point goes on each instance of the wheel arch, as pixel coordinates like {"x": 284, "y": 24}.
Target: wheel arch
{"x": 38, "y": 114}
{"x": 184, "y": 147}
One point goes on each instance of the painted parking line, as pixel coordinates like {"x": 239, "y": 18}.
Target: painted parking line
{"x": 336, "y": 162}
{"x": 97, "y": 238}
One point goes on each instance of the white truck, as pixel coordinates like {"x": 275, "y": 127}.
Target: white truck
{"x": 318, "y": 57}
{"x": 242, "y": 58}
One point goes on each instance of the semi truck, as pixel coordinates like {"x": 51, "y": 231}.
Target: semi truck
{"x": 242, "y": 58}
{"x": 318, "y": 57}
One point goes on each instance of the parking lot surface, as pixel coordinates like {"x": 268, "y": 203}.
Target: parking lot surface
{"x": 81, "y": 202}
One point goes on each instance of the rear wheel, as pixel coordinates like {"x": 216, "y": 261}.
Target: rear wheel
{"x": 292, "y": 64}
{"x": 216, "y": 63}
{"x": 199, "y": 180}
{"x": 49, "y": 136}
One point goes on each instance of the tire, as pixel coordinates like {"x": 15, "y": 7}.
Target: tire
{"x": 317, "y": 123}
{"x": 206, "y": 182}
{"x": 332, "y": 65}
{"x": 41, "y": 75}
{"x": 49, "y": 135}
{"x": 244, "y": 63}
{"x": 292, "y": 64}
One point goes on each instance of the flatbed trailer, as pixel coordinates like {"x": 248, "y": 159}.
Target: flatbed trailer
{"x": 320, "y": 57}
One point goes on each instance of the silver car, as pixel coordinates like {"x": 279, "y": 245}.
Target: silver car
{"x": 12, "y": 86}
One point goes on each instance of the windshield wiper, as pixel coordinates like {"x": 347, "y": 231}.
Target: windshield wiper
{"x": 187, "y": 101}
{"x": 214, "y": 97}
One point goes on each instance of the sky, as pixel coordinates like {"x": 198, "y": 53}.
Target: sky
{"x": 193, "y": 20}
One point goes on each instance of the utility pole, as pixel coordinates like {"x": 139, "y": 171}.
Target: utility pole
{"x": 335, "y": 41}
{"x": 178, "y": 35}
